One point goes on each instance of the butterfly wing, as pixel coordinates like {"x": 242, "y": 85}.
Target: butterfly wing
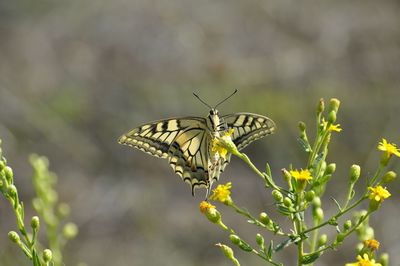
{"x": 183, "y": 141}
{"x": 248, "y": 127}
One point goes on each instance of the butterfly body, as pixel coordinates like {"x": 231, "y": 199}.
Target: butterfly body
{"x": 187, "y": 142}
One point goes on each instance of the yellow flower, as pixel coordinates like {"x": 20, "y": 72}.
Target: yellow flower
{"x": 389, "y": 148}
{"x": 364, "y": 261}
{"x": 224, "y": 144}
{"x": 222, "y": 193}
{"x": 332, "y": 127}
{"x": 372, "y": 244}
{"x": 378, "y": 194}
{"x": 205, "y": 206}
{"x": 301, "y": 175}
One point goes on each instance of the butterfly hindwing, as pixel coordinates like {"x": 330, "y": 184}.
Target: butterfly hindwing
{"x": 189, "y": 157}
{"x": 248, "y": 127}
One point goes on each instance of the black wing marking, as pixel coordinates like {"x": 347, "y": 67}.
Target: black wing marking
{"x": 156, "y": 137}
{"x": 248, "y": 127}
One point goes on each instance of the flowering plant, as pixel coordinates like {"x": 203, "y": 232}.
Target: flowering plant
{"x": 303, "y": 194}
{"x": 50, "y": 211}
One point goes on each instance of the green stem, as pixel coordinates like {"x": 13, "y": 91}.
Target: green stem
{"x": 349, "y": 192}
{"x": 254, "y": 220}
{"x": 337, "y": 215}
{"x": 317, "y": 138}
{"x": 299, "y": 223}
{"x": 376, "y": 175}
{"x": 247, "y": 160}
{"x": 332, "y": 245}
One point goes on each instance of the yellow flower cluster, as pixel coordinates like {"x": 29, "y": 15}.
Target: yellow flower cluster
{"x": 205, "y": 206}
{"x": 378, "y": 194}
{"x": 389, "y": 148}
{"x": 364, "y": 261}
{"x": 223, "y": 144}
{"x": 332, "y": 127}
{"x": 222, "y": 193}
{"x": 372, "y": 244}
{"x": 301, "y": 175}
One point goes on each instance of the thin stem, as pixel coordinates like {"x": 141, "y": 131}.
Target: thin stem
{"x": 299, "y": 222}
{"x": 337, "y": 215}
{"x": 255, "y": 221}
{"x": 245, "y": 158}
{"x": 317, "y": 137}
{"x": 332, "y": 245}
{"x": 376, "y": 175}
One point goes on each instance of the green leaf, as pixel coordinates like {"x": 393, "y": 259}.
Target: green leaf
{"x": 304, "y": 145}
{"x": 307, "y": 259}
{"x": 268, "y": 170}
{"x": 337, "y": 203}
{"x": 318, "y": 159}
{"x": 284, "y": 210}
{"x": 270, "y": 250}
{"x": 287, "y": 243}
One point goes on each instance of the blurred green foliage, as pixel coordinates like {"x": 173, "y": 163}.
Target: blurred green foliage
{"x": 75, "y": 75}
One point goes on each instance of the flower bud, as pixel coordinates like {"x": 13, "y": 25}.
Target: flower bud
{"x": 228, "y": 252}
{"x": 51, "y": 196}
{"x": 277, "y": 195}
{"x": 321, "y": 106}
{"x": 302, "y": 126}
{"x": 14, "y": 237}
{"x": 339, "y": 238}
{"x": 347, "y": 225}
{"x": 322, "y": 240}
{"x": 355, "y": 172}
{"x": 331, "y": 117}
{"x": 264, "y": 218}
{"x": 330, "y": 169}
{"x": 9, "y": 173}
{"x": 317, "y": 202}
{"x": 388, "y": 177}
{"x": 384, "y": 259}
{"x": 359, "y": 247}
{"x": 12, "y": 190}
{"x": 210, "y": 212}
{"x": 70, "y": 230}
{"x": 286, "y": 175}
{"x": 235, "y": 239}
{"x": 2, "y": 165}
{"x": 323, "y": 166}
{"x": 63, "y": 210}
{"x": 310, "y": 195}
{"x": 37, "y": 204}
{"x": 334, "y": 105}
{"x": 318, "y": 214}
{"x": 368, "y": 233}
{"x": 47, "y": 255}
{"x": 35, "y": 223}
{"x": 260, "y": 240}
{"x": 287, "y": 202}
{"x": 240, "y": 243}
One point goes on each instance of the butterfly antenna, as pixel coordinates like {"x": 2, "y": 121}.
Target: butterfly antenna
{"x": 197, "y": 96}
{"x": 226, "y": 99}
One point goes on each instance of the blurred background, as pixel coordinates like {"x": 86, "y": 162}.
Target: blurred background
{"x": 75, "y": 75}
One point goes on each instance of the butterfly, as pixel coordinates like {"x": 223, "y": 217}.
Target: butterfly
{"x": 186, "y": 142}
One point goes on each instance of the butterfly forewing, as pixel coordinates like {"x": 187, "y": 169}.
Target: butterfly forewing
{"x": 184, "y": 141}
{"x": 248, "y": 127}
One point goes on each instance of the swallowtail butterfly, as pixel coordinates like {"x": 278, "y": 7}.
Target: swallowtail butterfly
{"x": 186, "y": 142}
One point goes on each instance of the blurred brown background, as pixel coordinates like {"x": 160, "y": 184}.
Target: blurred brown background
{"x": 75, "y": 75}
